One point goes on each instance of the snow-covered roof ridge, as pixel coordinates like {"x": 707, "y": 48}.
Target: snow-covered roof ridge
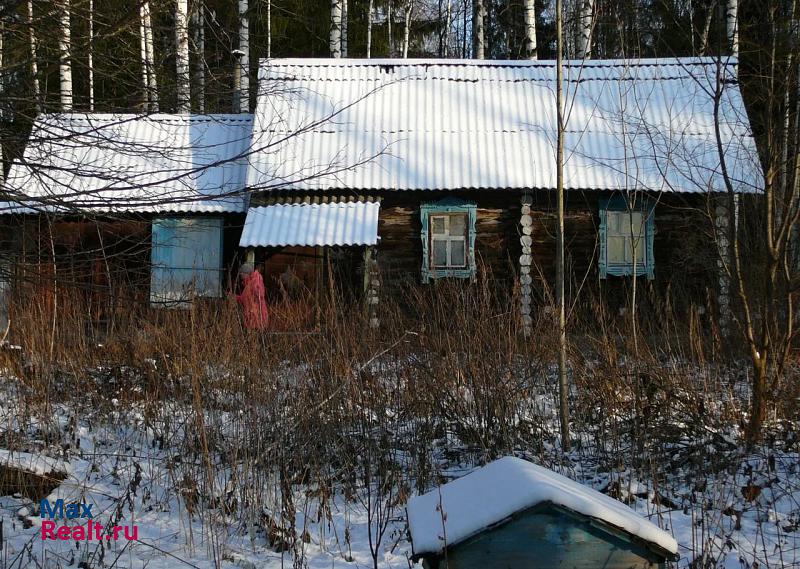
{"x": 464, "y": 507}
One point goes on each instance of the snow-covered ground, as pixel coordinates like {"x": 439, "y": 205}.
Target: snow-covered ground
{"x": 135, "y": 472}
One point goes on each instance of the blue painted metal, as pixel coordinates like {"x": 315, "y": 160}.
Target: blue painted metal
{"x": 186, "y": 258}
{"x": 622, "y": 202}
{"x": 448, "y": 205}
{"x": 550, "y": 537}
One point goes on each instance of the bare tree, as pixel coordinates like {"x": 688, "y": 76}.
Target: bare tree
{"x": 370, "y": 11}
{"x": 149, "y": 81}
{"x": 65, "y": 57}
{"x": 407, "y": 27}
{"x": 586, "y": 24}
{"x": 563, "y": 385}
{"x": 37, "y": 97}
{"x": 335, "y": 40}
{"x": 478, "y": 31}
{"x": 530, "y": 29}
{"x": 90, "y": 55}
{"x": 732, "y": 24}
{"x": 344, "y": 28}
{"x": 199, "y": 41}
{"x": 182, "y": 56}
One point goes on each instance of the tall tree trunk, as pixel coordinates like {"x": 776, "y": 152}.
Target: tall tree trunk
{"x": 182, "y": 80}
{"x": 149, "y": 81}
{"x": 91, "y": 55}
{"x": 344, "y": 28}
{"x": 530, "y": 30}
{"x": 2, "y": 90}
{"x": 370, "y": 10}
{"x": 563, "y": 385}
{"x": 478, "y": 32}
{"x": 389, "y": 18}
{"x": 65, "y": 58}
{"x": 244, "y": 57}
{"x": 732, "y": 21}
{"x": 199, "y": 40}
{"x": 448, "y": 23}
{"x": 585, "y": 25}
{"x": 34, "y": 60}
{"x": 335, "y": 42}
{"x": 269, "y": 28}
{"x": 407, "y": 29}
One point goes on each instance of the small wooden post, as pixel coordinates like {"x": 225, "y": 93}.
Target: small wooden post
{"x": 372, "y": 284}
{"x": 525, "y": 280}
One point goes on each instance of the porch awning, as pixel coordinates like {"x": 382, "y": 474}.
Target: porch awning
{"x": 280, "y": 225}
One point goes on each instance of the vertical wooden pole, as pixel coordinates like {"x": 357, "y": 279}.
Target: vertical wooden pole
{"x": 563, "y": 384}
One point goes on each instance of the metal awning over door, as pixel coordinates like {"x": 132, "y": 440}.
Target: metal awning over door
{"x": 325, "y": 224}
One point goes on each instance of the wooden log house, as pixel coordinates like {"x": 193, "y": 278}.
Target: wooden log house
{"x": 388, "y": 173}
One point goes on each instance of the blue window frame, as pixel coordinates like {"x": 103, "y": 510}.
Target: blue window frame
{"x": 448, "y": 239}
{"x": 627, "y": 228}
{"x": 186, "y": 258}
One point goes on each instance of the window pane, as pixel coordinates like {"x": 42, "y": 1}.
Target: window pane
{"x": 639, "y": 247}
{"x": 458, "y": 224}
{"x": 616, "y": 250}
{"x": 437, "y": 225}
{"x": 612, "y": 222}
{"x": 457, "y": 254}
{"x": 439, "y": 253}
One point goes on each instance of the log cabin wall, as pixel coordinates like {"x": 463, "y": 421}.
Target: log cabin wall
{"x": 497, "y": 245}
{"x": 684, "y": 249}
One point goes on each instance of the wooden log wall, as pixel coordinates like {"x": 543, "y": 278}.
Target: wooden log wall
{"x": 684, "y": 248}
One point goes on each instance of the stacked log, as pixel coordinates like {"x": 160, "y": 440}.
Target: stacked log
{"x": 525, "y": 261}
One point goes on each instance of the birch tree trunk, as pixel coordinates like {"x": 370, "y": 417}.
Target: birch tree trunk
{"x": 244, "y": 57}
{"x": 65, "y": 58}
{"x": 149, "y": 82}
{"x": 389, "y": 18}
{"x": 732, "y": 21}
{"x": 344, "y": 28}
{"x": 478, "y": 33}
{"x": 407, "y": 29}
{"x": 335, "y": 42}
{"x": 269, "y": 28}
{"x": 585, "y": 26}
{"x": 199, "y": 40}
{"x": 90, "y": 56}
{"x": 530, "y": 30}
{"x": 182, "y": 80}
{"x": 448, "y": 23}
{"x": 34, "y": 59}
{"x": 563, "y": 385}
{"x": 370, "y": 10}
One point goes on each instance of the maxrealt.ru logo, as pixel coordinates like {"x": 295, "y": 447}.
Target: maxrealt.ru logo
{"x": 90, "y": 531}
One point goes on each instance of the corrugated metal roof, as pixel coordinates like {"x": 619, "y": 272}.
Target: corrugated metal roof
{"x": 116, "y": 163}
{"x": 451, "y": 124}
{"x": 354, "y": 223}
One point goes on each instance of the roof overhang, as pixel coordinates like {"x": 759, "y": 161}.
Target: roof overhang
{"x": 307, "y": 224}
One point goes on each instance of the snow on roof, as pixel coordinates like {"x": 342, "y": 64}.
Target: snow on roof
{"x": 504, "y": 487}
{"x": 453, "y": 124}
{"x": 124, "y": 162}
{"x": 278, "y": 225}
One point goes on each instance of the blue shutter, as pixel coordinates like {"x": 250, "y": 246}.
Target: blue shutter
{"x": 448, "y": 205}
